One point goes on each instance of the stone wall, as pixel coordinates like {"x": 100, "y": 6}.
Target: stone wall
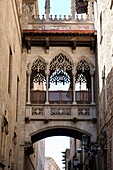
{"x": 105, "y": 74}
{"x": 10, "y": 46}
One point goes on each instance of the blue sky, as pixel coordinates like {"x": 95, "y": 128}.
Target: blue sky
{"x": 58, "y": 7}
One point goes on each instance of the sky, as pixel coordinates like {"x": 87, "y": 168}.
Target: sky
{"x": 58, "y": 7}
{"x": 54, "y": 146}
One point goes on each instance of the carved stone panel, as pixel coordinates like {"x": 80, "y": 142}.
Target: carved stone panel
{"x": 60, "y": 111}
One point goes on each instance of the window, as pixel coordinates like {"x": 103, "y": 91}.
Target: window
{"x": 10, "y": 71}
{"x": 101, "y": 35}
{"x": 111, "y": 5}
{"x": 4, "y": 133}
{"x": 17, "y": 98}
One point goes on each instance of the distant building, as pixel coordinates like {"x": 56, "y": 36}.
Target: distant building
{"x": 41, "y": 155}
{"x": 50, "y": 164}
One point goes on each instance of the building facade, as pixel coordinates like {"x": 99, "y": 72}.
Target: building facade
{"x": 105, "y": 74}
{"x": 10, "y": 83}
{"x": 50, "y": 164}
{"x": 77, "y": 50}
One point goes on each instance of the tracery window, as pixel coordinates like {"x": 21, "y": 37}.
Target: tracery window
{"x": 38, "y": 81}
{"x": 60, "y": 70}
{"x": 38, "y": 74}
{"x": 83, "y": 75}
{"x": 83, "y": 82}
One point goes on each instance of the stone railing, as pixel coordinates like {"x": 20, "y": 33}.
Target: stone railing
{"x": 61, "y": 18}
{"x": 60, "y": 112}
{"x": 81, "y": 22}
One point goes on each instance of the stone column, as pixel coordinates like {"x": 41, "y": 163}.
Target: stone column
{"x": 47, "y": 87}
{"x": 90, "y": 10}
{"x": 73, "y": 9}
{"x": 92, "y": 87}
{"x": 28, "y": 87}
{"x": 74, "y": 92}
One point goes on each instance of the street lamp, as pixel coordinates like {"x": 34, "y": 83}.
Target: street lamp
{"x": 84, "y": 140}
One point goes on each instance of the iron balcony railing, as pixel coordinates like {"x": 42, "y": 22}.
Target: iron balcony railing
{"x": 60, "y": 97}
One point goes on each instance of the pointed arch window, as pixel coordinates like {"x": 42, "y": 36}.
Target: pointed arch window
{"x": 60, "y": 75}
{"x": 38, "y": 74}
{"x": 60, "y": 70}
{"x": 83, "y": 82}
{"x": 37, "y": 81}
{"x": 83, "y": 75}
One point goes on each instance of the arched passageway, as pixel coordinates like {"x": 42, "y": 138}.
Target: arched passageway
{"x": 76, "y": 145}
{"x": 58, "y": 132}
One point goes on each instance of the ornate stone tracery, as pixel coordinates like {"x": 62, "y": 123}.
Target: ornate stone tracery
{"x": 38, "y": 71}
{"x": 84, "y": 111}
{"x": 83, "y": 73}
{"x": 81, "y": 78}
{"x": 38, "y": 65}
{"x": 82, "y": 66}
{"x": 39, "y": 78}
{"x": 37, "y": 111}
{"x": 61, "y": 62}
{"x": 59, "y": 77}
{"x": 60, "y": 69}
{"x": 60, "y": 111}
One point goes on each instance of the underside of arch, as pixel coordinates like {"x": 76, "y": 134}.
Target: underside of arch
{"x": 58, "y": 132}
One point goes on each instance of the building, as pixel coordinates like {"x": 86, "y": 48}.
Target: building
{"x": 77, "y": 49}
{"x": 10, "y": 83}
{"x": 41, "y": 155}
{"x": 105, "y": 74}
{"x": 50, "y": 164}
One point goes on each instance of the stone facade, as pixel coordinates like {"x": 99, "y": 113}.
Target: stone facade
{"x": 41, "y": 155}
{"x": 105, "y": 74}
{"x": 50, "y": 164}
{"x": 17, "y": 126}
{"x": 10, "y": 83}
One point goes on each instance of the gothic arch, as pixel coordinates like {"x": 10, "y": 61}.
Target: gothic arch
{"x": 91, "y": 65}
{"x": 37, "y": 68}
{"x": 60, "y": 131}
{"x": 30, "y": 64}
{"x": 61, "y": 65}
{"x": 84, "y": 68}
{"x": 61, "y": 52}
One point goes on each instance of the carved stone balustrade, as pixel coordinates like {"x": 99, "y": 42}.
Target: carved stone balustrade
{"x": 60, "y": 18}
{"x": 81, "y": 22}
{"x": 61, "y": 112}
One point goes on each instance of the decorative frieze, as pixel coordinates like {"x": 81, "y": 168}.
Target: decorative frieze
{"x": 37, "y": 111}
{"x": 60, "y": 111}
{"x": 84, "y": 111}
{"x": 48, "y": 112}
